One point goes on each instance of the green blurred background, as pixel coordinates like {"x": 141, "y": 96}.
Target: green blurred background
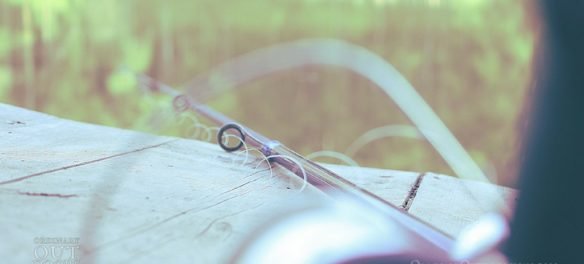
{"x": 470, "y": 59}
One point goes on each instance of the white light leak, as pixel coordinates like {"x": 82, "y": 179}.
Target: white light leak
{"x": 327, "y": 235}
{"x": 342, "y": 54}
{"x": 480, "y": 237}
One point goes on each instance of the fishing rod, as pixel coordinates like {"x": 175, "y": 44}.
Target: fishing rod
{"x": 428, "y": 239}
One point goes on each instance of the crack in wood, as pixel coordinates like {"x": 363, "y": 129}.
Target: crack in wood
{"x": 82, "y": 163}
{"x": 241, "y": 185}
{"x": 412, "y": 193}
{"x": 57, "y": 195}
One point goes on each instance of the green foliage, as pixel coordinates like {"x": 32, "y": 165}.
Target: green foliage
{"x": 468, "y": 58}
{"x": 120, "y": 83}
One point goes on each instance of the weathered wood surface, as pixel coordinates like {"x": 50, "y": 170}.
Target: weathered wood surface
{"x": 133, "y": 197}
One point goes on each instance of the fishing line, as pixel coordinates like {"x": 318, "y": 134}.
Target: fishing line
{"x": 237, "y": 153}
{"x": 196, "y": 130}
{"x": 197, "y": 134}
{"x": 257, "y": 159}
{"x": 216, "y": 129}
{"x": 338, "y": 53}
{"x": 183, "y": 115}
{"x": 332, "y": 52}
{"x": 332, "y": 154}
{"x": 321, "y": 178}
{"x": 246, "y": 150}
{"x": 221, "y": 138}
{"x": 298, "y": 164}
{"x": 180, "y": 106}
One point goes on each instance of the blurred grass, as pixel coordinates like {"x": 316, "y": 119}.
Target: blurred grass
{"x": 468, "y": 58}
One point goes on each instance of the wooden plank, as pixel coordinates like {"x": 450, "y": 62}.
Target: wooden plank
{"x": 33, "y": 142}
{"x": 130, "y": 196}
{"x": 454, "y": 203}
